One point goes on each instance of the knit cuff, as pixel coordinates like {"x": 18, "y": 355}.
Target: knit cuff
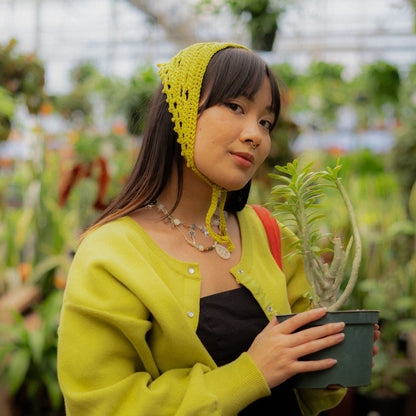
{"x": 245, "y": 384}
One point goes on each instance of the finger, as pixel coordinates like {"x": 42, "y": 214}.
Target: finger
{"x": 300, "y": 319}
{"x": 274, "y": 322}
{"x": 317, "y": 345}
{"x": 309, "y": 366}
{"x": 377, "y": 333}
{"x": 316, "y": 332}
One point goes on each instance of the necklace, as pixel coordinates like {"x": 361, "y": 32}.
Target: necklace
{"x": 189, "y": 237}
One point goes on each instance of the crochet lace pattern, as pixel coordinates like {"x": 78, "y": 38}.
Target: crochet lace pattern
{"x": 182, "y": 79}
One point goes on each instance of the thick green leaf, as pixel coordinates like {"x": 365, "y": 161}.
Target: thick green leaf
{"x": 4, "y": 352}
{"x": 37, "y": 345}
{"x": 53, "y": 390}
{"x": 17, "y": 369}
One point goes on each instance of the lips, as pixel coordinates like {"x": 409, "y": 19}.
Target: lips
{"x": 244, "y": 158}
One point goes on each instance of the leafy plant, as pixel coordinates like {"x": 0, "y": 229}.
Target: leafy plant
{"x": 404, "y": 148}
{"x": 137, "y": 97}
{"x": 296, "y": 202}
{"x": 315, "y": 96}
{"x": 22, "y": 75}
{"x": 375, "y": 93}
{"x": 28, "y": 358}
{"x": 7, "y": 107}
{"x": 395, "y": 297}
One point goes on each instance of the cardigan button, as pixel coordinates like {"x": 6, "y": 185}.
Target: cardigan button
{"x": 191, "y": 270}
{"x": 240, "y": 271}
{"x": 190, "y": 314}
{"x": 270, "y": 309}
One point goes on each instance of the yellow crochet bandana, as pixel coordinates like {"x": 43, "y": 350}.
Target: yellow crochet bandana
{"x": 182, "y": 79}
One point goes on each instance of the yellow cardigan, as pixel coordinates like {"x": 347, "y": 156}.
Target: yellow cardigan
{"x": 127, "y": 337}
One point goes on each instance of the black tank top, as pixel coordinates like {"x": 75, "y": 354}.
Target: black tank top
{"x": 228, "y": 323}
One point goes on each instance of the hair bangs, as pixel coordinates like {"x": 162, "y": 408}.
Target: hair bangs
{"x": 236, "y": 72}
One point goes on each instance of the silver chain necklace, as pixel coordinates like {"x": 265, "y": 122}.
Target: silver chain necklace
{"x": 189, "y": 236}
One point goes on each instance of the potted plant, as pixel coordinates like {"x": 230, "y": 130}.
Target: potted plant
{"x": 295, "y": 202}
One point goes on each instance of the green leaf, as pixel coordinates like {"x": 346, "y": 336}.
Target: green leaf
{"x": 406, "y": 325}
{"x": 404, "y": 304}
{"x": 37, "y": 344}
{"x": 4, "y": 351}
{"x": 53, "y": 390}
{"x": 17, "y": 369}
{"x": 399, "y": 387}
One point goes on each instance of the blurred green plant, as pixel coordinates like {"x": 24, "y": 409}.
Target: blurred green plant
{"x": 28, "y": 360}
{"x": 315, "y": 96}
{"x": 260, "y": 16}
{"x": 137, "y": 98}
{"x": 375, "y": 94}
{"x": 286, "y": 73}
{"x": 404, "y": 148}
{"x": 394, "y": 296}
{"x": 114, "y": 97}
{"x": 7, "y": 108}
{"x": 22, "y": 77}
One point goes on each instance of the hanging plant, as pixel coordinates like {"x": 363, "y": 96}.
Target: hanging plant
{"x": 261, "y": 17}
{"x": 375, "y": 92}
{"x": 23, "y": 76}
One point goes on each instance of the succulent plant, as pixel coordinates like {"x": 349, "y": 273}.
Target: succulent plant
{"x": 295, "y": 202}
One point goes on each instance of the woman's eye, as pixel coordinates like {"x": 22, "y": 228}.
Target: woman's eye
{"x": 235, "y": 107}
{"x": 267, "y": 124}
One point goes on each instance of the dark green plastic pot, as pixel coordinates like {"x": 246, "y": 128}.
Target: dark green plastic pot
{"x": 354, "y": 355}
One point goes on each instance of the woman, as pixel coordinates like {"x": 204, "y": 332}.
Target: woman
{"x": 171, "y": 299}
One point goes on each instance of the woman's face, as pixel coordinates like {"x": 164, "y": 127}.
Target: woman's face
{"x": 226, "y": 134}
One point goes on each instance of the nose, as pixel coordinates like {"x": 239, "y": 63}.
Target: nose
{"x": 252, "y": 134}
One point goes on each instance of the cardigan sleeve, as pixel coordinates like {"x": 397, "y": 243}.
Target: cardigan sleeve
{"x": 106, "y": 362}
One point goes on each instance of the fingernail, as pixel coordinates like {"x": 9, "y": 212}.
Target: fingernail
{"x": 340, "y": 336}
{"x": 339, "y": 325}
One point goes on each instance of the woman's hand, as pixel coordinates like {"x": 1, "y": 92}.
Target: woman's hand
{"x": 277, "y": 348}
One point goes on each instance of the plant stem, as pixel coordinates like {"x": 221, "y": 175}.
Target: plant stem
{"x": 358, "y": 250}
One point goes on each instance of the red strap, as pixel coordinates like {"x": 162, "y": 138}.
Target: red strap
{"x": 273, "y": 232}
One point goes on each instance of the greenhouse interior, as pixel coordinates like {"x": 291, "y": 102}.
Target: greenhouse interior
{"x": 76, "y": 81}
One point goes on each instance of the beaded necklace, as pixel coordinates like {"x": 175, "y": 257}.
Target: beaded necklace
{"x": 189, "y": 236}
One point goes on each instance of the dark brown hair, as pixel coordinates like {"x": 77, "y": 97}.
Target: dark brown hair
{"x": 231, "y": 73}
